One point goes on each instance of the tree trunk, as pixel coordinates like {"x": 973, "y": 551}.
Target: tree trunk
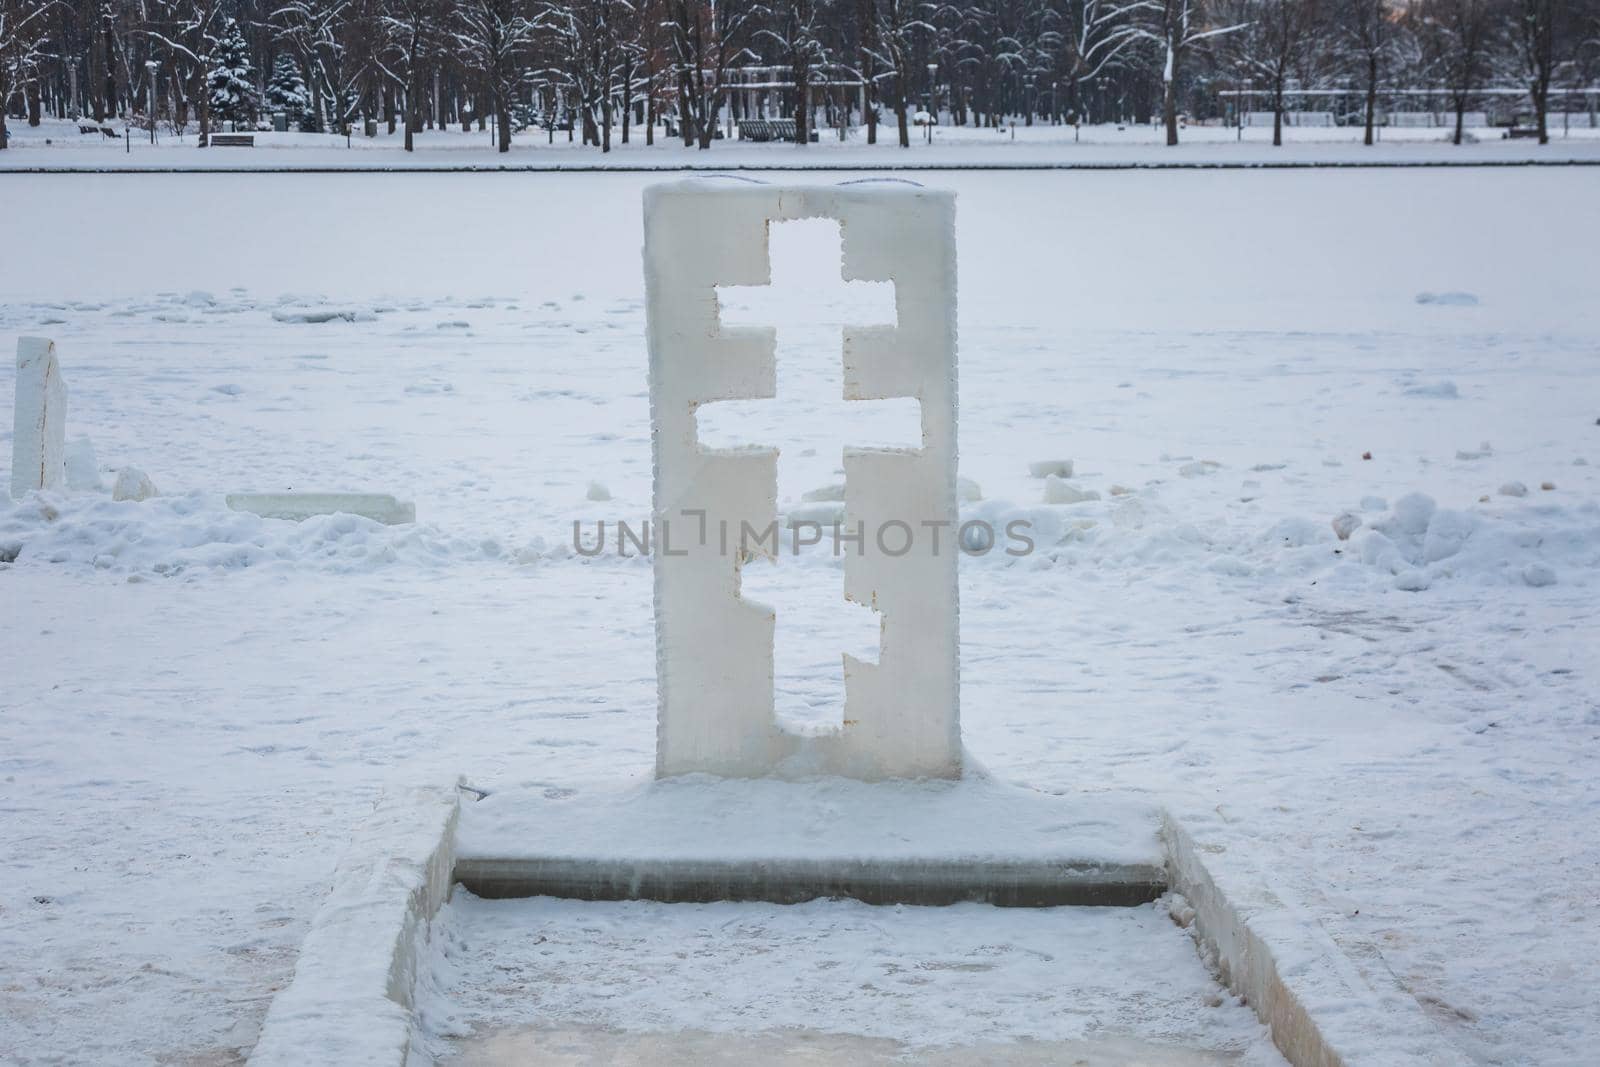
{"x": 97, "y": 103}
{"x": 802, "y": 102}
{"x": 1541, "y": 108}
{"x": 650, "y": 118}
{"x": 1277, "y": 114}
{"x": 605, "y": 124}
{"x": 901, "y": 81}
{"x": 502, "y": 122}
{"x": 1461, "y": 118}
{"x": 412, "y": 118}
{"x": 4, "y": 138}
{"x": 685, "y": 112}
{"x": 111, "y": 79}
{"x": 869, "y": 90}
{"x": 1169, "y": 95}
{"x": 1372, "y": 93}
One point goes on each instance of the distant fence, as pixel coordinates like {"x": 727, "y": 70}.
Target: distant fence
{"x": 1436, "y": 118}
{"x": 1290, "y": 118}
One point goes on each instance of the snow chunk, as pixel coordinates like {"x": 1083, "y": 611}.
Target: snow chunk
{"x": 133, "y": 484}
{"x": 1450, "y": 299}
{"x": 968, "y": 490}
{"x": 1346, "y": 523}
{"x": 1198, "y": 468}
{"x": 297, "y": 507}
{"x": 1058, "y": 491}
{"x": 1444, "y": 390}
{"x": 598, "y": 492}
{"x": 1413, "y": 580}
{"x": 322, "y": 314}
{"x": 1412, "y": 512}
{"x": 1297, "y": 533}
{"x": 826, "y": 492}
{"x": 1044, "y": 468}
{"x": 1447, "y": 532}
{"x": 83, "y": 470}
{"x": 1513, "y": 489}
{"x": 1538, "y": 575}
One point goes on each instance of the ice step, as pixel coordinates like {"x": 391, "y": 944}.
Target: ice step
{"x": 915, "y": 842}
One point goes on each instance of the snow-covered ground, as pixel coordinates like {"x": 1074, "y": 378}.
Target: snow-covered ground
{"x": 1060, "y": 984}
{"x": 58, "y": 145}
{"x": 198, "y": 705}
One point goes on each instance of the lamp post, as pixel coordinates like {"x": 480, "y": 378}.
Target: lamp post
{"x": 933, "y": 98}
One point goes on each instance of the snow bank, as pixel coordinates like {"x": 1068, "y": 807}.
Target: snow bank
{"x": 1412, "y": 546}
{"x": 197, "y": 532}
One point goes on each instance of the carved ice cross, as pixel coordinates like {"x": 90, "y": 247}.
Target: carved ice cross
{"x": 715, "y": 650}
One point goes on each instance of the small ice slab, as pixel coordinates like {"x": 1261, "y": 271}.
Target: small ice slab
{"x": 380, "y": 507}
{"x": 698, "y": 838}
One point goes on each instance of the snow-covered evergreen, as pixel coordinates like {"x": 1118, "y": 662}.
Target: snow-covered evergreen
{"x": 286, "y": 92}
{"x": 231, "y": 82}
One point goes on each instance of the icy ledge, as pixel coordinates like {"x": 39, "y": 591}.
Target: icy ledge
{"x": 697, "y": 837}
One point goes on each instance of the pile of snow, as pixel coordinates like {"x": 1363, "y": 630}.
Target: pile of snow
{"x": 1413, "y": 546}
{"x": 1420, "y": 543}
{"x": 172, "y": 535}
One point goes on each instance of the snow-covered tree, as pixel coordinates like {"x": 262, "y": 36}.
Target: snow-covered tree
{"x": 493, "y": 38}
{"x": 1544, "y": 38}
{"x": 286, "y": 92}
{"x": 231, "y": 83}
{"x": 1458, "y": 43}
{"x": 795, "y": 31}
{"x": 707, "y": 40}
{"x": 1363, "y": 35}
{"x": 1175, "y": 27}
{"x": 23, "y": 31}
{"x": 896, "y": 36}
{"x": 1273, "y": 41}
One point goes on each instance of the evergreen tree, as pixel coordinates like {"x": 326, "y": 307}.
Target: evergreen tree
{"x": 286, "y": 92}
{"x": 231, "y": 81}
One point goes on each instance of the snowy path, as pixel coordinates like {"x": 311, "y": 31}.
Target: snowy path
{"x": 197, "y": 706}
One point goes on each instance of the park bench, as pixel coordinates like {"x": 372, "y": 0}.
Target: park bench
{"x": 233, "y": 140}
{"x": 104, "y": 131}
{"x": 1516, "y": 132}
{"x": 766, "y": 130}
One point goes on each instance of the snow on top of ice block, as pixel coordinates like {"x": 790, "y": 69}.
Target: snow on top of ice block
{"x": 702, "y": 817}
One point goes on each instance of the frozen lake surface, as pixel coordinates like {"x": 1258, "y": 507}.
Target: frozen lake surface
{"x": 199, "y": 705}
